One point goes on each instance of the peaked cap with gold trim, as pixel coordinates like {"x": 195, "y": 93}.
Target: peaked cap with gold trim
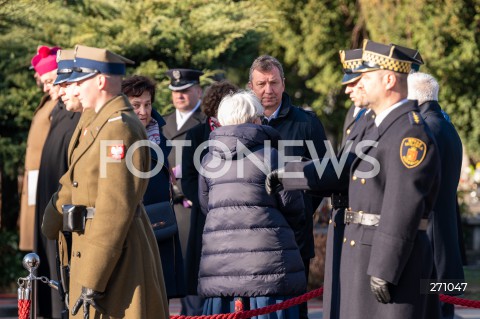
{"x": 351, "y": 60}
{"x": 378, "y": 56}
{"x": 91, "y": 61}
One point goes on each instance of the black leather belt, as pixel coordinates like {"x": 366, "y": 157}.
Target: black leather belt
{"x": 339, "y": 201}
{"x": 367, "y": 219}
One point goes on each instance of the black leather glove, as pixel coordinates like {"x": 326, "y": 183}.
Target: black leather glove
{"x": 380, "y": 289}
{"x": 273, "y": 182}
{"x": 178, "y": 196}
{"x": 88, "y": 298}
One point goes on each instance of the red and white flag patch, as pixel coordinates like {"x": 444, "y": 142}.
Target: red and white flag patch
{"x": 116, "y": 151}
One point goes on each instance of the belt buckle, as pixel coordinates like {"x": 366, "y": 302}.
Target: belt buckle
{"x": 349, "y": 216}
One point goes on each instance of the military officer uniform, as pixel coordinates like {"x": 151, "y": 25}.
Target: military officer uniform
{"x": 182, "y": 79}
{"x": 385, "y": 232}
{"x": 331, "y": 184}
{"x": 116, "y": 253}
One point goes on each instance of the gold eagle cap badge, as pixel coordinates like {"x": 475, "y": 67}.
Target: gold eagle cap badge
{"x": 412, "y": 152}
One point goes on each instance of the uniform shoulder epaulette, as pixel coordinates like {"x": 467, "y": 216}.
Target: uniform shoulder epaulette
{"x": 415, "y": 118}
{"x": 116, "y": 118}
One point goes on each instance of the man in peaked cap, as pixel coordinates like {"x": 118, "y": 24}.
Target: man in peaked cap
{"x": 186, "y": 98}
{"x": 53, "y": 165}
{"x": 386, "y": 250}
{"x": 352, "y": 59}
{"x": 328, "y": 183}
{"x": 65, "y": 69}
{"x": 113, "y": 239}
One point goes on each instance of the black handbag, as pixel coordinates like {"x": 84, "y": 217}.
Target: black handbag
{"x": 162, "y": 217}
{"x": 163, "y": 220}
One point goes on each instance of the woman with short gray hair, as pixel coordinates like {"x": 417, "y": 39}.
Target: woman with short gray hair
{"x": 249, "y": 255}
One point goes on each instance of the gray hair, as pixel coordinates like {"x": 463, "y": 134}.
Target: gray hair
{"x": 239, "y": 108}
{"x": 265, "y": 63}
{"x": 422, "y": 87}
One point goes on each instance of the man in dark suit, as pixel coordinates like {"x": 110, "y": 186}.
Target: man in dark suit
{"x": 267, "y": 81}
{"x": 186, "y": 98}
{"x": 443, "y": 227}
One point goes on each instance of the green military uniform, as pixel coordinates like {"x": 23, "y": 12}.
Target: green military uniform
{"x": 116, "y": 254}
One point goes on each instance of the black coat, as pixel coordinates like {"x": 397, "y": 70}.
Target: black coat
{"x": 294, "y": 123}
{"x": 348, "y": 125}
{"x": 443, "y": 228}
{"x": 197, "y": 135}
{"x": 402, "y": 192}
{"x": 249, "y": 247}
{"x": 171, "y": 133}
{"x": 158, "y": 190}
{"x": 53, "y": 165}
{"x": 328, "y": 184}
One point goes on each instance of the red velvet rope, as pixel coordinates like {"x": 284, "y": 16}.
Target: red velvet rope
{"x": 24, "y": 308}
{"x": 303, "y": 298}
{"x": 260, "y": 311}
{"x": 460, "y": 301}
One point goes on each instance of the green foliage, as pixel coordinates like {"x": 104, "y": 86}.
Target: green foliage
{"x": 11, "y": 261}
{"x": 307, "y": 36}
{"x": 447, "y": 35}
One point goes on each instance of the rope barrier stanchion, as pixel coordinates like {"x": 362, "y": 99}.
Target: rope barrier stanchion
{"x": 26, "y": 286}
{"x": 460, "y": 301}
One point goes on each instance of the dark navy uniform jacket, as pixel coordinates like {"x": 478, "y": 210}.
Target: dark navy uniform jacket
{"x": 402, "y": 192}
{"x": 443, "y": 228}
{"x": 325, "y": 185}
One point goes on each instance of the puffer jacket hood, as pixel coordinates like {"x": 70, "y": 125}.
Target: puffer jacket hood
{"x": 248, "y": 246}
{"x": 246, "y": 135}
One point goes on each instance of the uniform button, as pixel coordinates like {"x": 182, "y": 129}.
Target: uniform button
{"x": 352, "y": 243}
{"x": 78, "y": 254}
{"x": 354, "y": 177}
{"x": 348, "y": 131}
{"x": 75, "y": 184}
{"x": 363, "y": 181}
{"x": 330, "y": 221}
{"x": 344, "y": 239}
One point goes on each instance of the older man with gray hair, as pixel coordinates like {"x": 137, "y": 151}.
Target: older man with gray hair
{"x": 443, "y": 229}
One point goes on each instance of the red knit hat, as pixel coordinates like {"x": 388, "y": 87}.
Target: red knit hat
{"x": 45, "y": 60}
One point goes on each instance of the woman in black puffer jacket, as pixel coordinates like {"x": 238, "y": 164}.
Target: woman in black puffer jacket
{"x": 249, "y": 255}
